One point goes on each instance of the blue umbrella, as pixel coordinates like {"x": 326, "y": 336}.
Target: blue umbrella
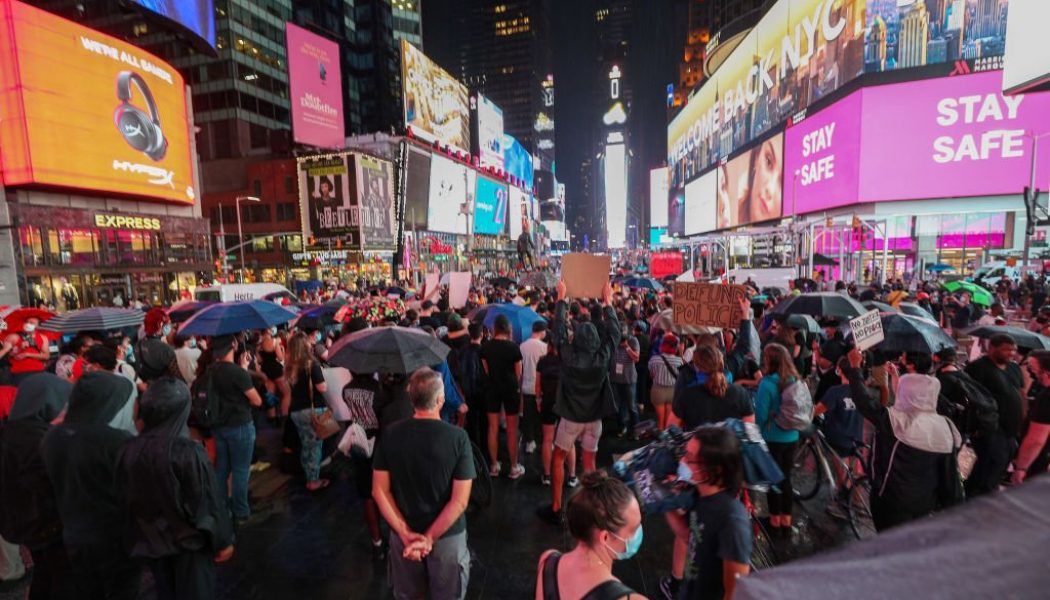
{"x": 521, "y": 318}
{"x": 234, "y": 317}
{"x": 645, "y": 283}
{"x": 939, "y": 268}
{"x": 317, "y": 317}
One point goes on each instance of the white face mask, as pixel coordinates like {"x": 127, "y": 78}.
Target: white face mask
{"x": 29, "y": 327}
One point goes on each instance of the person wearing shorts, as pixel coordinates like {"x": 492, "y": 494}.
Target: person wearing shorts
{"x": 548, "y": 374}
{"x": 663, "y": 369}
{"x": 501, "y": 358}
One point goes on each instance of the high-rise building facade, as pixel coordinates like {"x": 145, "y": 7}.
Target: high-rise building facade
{"x": 875, "y": 46}
{"x": 914, "y": 36}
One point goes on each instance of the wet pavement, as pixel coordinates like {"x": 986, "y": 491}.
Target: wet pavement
{"x": 316, "y": 545}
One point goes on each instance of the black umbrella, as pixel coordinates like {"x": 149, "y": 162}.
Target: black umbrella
{"x": 914, "y": 310}
{"x": 823, "y": 261}
{"x": 802, "y": 323}
{"x": 820, "y": 304}
{"x": 387, "y": 350}
{"x": 1028, "y": 340}
{"x": 184, "y": 310}
{"x": 879, "y": 306}
{"x": 316, "y": 317}
{"x": 905, "y": 333}
{"x": 94, "y": 319}
{"x": 503, "y": 282}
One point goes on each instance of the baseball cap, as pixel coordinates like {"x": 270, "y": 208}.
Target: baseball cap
{"x": 155, "y": 358}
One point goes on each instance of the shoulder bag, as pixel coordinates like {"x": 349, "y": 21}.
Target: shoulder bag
{"x": 324, "y": 424}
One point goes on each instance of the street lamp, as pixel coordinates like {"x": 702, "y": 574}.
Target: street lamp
{"x": 240, "y": 234}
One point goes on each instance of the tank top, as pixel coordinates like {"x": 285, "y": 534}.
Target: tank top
{"x": 609, "y": 590}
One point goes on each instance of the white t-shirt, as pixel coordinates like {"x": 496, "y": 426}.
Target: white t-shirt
{"x": 532, "y": 350}
{"x": 186, "y": 358}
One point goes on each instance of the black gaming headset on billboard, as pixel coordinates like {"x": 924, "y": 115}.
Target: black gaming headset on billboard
{"x": 141, "y": 131}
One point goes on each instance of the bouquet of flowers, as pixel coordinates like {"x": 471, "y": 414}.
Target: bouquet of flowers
{"x": 374, "y": 310}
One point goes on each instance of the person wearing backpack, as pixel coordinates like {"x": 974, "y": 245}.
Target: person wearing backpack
{"x": 605, "y": 522}
{"x": 779, "y": 372}
{"x": 663, "y": 370}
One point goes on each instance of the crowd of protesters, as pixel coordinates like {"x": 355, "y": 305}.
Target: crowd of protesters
{"x": 158, "y": 429}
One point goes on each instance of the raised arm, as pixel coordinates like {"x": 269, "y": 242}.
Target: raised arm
{"x": 869, "y": 407}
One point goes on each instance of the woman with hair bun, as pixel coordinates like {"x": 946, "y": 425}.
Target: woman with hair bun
{"x": 604, "y": 518}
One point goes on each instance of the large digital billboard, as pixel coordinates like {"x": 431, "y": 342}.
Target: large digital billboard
{"x": 658, "y": 197}
{"x": 520, "y": 211}
{"x": 701, "y": 203}
{"x": 902, "y": 34}
{"x": 616, "y": 195}
{"x": 490, "y": 207}
{"x": 950, "y": 137}
{"x": 417, "y": 188}
{"x": 800, "y": 51}
{"x": 196, "y": 16}
{"x": 676, "y": 213}
{"x": 328, "y": 200}
{"x": 316, "y": 87}
{"x": 821, "y": 169}
{"x": 750, "y": 186}
{"x": 83, "y": 110}
{"x": 490, "y": 133}
{"x": 517, "y": 161}
{"x": 375, "y": 188}
{"x": 448, "y": 193}
{"x": 436, "y": 104}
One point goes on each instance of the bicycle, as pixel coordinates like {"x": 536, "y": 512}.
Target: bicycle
{"x": 481, "y": 490}
{"x": 815, "y": 464}
{"x": 763, "y": 553}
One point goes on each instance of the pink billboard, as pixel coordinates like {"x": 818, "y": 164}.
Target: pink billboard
{"x": 316, "y": 87}
{"x": 821, "y": 169}
{"x": 950, "y": 137}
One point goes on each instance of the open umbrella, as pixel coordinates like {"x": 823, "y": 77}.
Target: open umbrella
{"x": 234, "y": 317}
{"x": 184, "y": 310}
{"x": 820, "y": 304}
{"x": 14, "y": 318}
{"x": 914, "y": 310}
{"x": 316, "y": 317}
{"x": 978, "y": 294}
{"x": 939, "y": 268}
{"x": 821, "y": 260}
{"x": 880, "y": 306}
{"x": 802, "y": 323}
{"x": 521, "y": 318}
{"x": 905, "y": 333}
{"x": 644, "y": 283}
{"x": 387, "y": 350}
{"x": 94, "y": 319}
{"x": 1028, "y": 340}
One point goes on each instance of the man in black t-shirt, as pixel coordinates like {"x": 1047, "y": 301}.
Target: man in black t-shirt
{"x": 501, "y": 358}
{"x": 232, "y": 426}
{"x": 1003, "y": 379}
{"x": 424, "y": 469}
{"x": 1035, "y": 451}
{"x": 362, "y": 397}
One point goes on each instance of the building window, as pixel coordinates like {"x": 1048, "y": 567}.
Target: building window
{"x": 289, "y": 184}
{"x": 287, "y": 211}
{"x": 257, "y": 187}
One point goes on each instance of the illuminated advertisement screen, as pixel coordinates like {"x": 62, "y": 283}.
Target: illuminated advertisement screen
{"x": 490, "y": 207}
{"x": 375, "y": 192}
{"x": 196, "y": 16}
{"x": 964, "y": 138}
{"x": 436, "y": 104}
{"x": 701, "y": 204}
{"x": 800, "y": 51}
{"x": 517, "y": 161}
{"x": 658, "y": 197}
{"x": 750, "y": 186}
{"x": 83, "y": 110}
{"x": 328, "y": 201}
{"x": 316, "y": 88}
{"x": 490, "y": 133}
{"x": 518, "y": 213}
{"x": 676, "y": 213}
{"x": 821, "y": 169}
{"x": 417, "y": 188}
{"x": 616, "y": 195}
{"x": 448, "y": 192}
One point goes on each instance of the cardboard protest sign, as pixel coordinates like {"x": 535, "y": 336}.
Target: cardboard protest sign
{"x": 432, "y": 282}
{"x": 458, "y": 289}
{"x": 867, "y": 330}
{"x": 585, "y": 275}
{"x": 708, "y": 305}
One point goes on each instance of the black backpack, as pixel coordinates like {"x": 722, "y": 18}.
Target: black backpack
{"x": 974, "y": 412}
{"x": 204, "y": 402}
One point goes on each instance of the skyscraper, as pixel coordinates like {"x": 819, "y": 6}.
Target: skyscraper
{"x": 914, "y": 36}
{"x": 875, "y": 46}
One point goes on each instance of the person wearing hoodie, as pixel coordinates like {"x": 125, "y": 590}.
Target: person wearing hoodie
{"x": 178, "y": 521}
{"x": 914, "y": 471}
{"x": 585, "y": 394}
{"x": 80, "y": 456}
{"x": 28, "y": 510}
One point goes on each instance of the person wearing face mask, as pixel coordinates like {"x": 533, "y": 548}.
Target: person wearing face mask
{"x": 605, "y": 521}
{"x": 28, "y": 509}
{"x": 718, "y": 525}
{"x": 30, "y": 351}
{"x": 186, "y": 355}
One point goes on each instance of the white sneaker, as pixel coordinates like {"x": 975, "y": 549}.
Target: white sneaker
{"x": 530, "y": 447}
{"x": 517, "y": 471}
{"x": 494, "y": 469}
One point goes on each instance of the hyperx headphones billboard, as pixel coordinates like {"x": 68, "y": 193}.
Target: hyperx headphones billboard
{"x": 80, "y": 109}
